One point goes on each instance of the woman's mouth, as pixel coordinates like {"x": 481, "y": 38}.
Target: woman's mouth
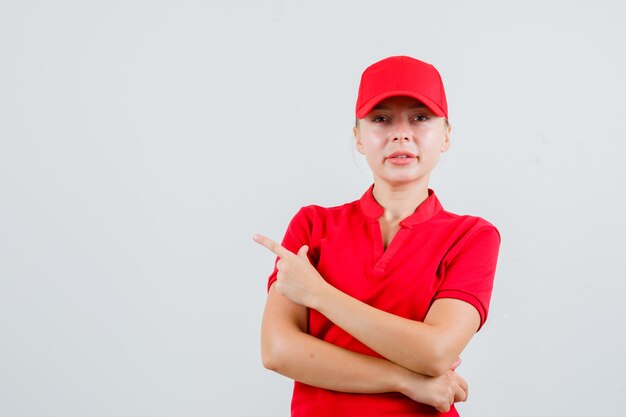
{"x": 401, "y": 158}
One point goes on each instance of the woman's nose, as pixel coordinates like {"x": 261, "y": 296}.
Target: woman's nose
{"x": 401, "y": 133}
{"x": 401, "y": 137}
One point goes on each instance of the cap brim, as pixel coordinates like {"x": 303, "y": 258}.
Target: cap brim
{"x": 368, "y": 106}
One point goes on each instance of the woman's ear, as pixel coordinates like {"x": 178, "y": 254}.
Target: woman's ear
{"x": 446, "y": 139}
{"x": 357, "y": 138}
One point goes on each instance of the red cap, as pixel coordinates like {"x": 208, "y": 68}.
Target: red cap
{"x": 401, "y": 76}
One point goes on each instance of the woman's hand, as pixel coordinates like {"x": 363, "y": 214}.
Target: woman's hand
{"x": 297, "y": 279}
{"x": 440, "y": 392}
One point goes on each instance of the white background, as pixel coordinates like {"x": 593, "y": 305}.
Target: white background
{"x": 142, "y": 143}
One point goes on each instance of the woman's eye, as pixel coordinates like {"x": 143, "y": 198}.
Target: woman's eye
{"x": 420, "y": 118}
{"x": 380, "y": 119}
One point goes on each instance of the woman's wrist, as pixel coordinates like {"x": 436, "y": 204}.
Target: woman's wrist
{"x": 404, "y": 381}
{"x": 322, "y": 296}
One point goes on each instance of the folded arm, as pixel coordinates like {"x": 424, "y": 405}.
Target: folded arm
{"x": 428, "y": 347}
{"x": 286, "y": 348}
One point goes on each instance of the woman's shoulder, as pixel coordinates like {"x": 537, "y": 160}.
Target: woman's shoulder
{"x": 320, "y": 212}
{"x": 467, "y": 223}
{"x": 317, "y": 221}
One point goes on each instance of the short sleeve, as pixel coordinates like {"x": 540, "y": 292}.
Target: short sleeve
{"x": 298, "y": 234}
{"x": 468, "y": 270}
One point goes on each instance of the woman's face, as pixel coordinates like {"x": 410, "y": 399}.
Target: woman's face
{"x": 402, "y": 140}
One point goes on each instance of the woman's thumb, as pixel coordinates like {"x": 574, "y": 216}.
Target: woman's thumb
{"x": 303, "y": 250}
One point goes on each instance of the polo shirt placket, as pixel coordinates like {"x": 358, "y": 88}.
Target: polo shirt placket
{"x": 374, "y": 211}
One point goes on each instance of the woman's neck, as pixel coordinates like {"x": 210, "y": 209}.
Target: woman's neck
{"x": 399, "y": 202}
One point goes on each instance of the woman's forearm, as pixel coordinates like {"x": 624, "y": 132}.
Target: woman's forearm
{"x": 426, "y": 348}
{"x": 287, "y": 349}
{"x": 305, "y": 358}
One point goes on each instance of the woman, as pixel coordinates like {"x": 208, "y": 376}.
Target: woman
{"x": 372, "y": 302}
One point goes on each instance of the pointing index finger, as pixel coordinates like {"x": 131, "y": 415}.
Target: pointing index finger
{"x": 272, "y": 245}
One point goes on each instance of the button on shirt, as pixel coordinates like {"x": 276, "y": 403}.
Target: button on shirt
{"x": 435, "y": 254}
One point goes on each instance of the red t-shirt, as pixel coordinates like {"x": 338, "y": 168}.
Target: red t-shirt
{"x": 435, "y": 254}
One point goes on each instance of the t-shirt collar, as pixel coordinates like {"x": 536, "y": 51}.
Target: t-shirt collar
{"x": 429, "y": 207}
